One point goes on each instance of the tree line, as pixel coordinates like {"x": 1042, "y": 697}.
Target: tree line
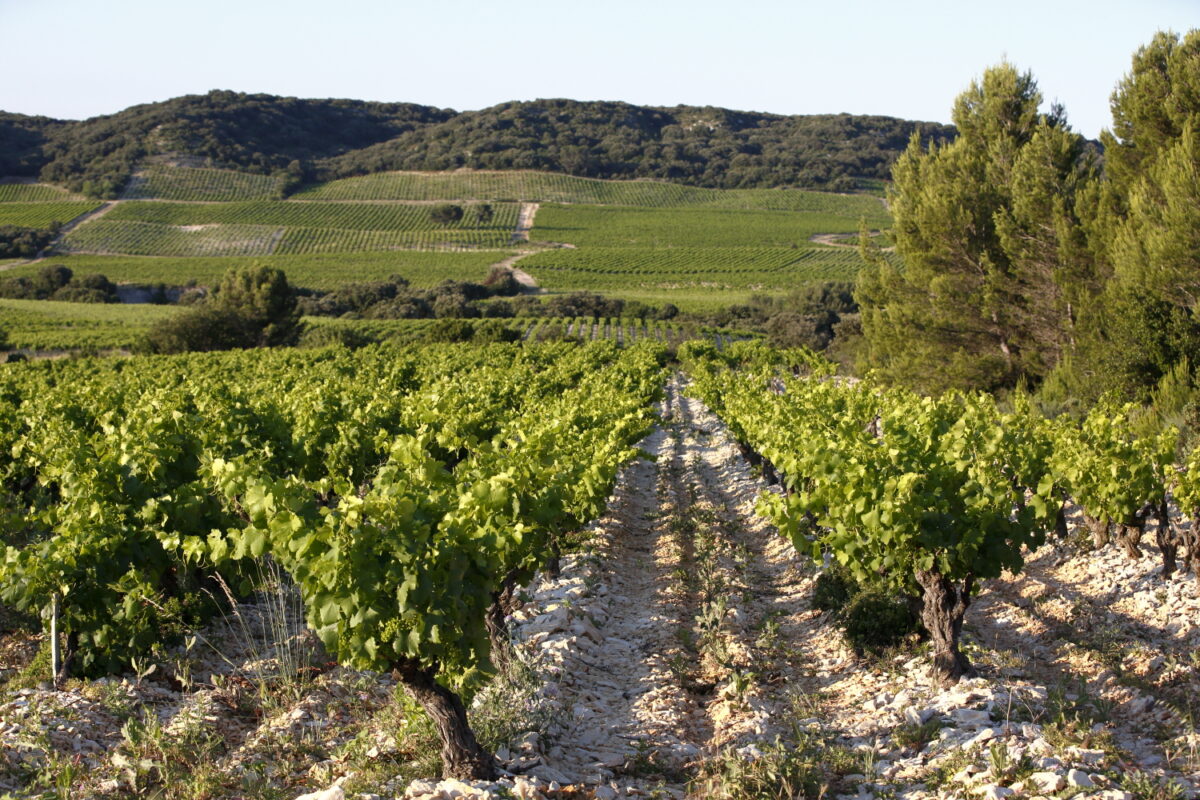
{"x": 1031, "y": 257}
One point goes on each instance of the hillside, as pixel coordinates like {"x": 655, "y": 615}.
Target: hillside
{"x": 326, "y": 139}
{"x": 652, "y": 241}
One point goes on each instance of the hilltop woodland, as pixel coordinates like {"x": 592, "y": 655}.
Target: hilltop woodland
{"x": 305, "y": 140}
{"x": 1030, "y": 259}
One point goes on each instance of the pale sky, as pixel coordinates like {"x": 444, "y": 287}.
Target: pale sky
{"x": 73, "y": 59}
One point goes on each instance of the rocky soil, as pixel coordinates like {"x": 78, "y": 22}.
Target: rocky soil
{"x": 676, "y": 655}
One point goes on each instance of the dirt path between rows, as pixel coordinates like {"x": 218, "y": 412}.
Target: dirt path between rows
{"x": 839, "y": 240}
{"x": 656, "y": 669}
{"x": 524, "y": 222}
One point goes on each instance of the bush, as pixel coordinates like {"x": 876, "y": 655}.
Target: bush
{"x": 201, "y": 329}
{"x": 78, "y": 294}
{"x": 500, "y": 281}
{"x": 834, "y": 588}
{"x": 446, "y": 213}
{"x": 263, "y": 298}
{"x": 875, "y": 621}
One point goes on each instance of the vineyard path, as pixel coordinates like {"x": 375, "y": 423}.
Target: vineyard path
{"x": 519, "y": 275}
{"x": 839, "y": 240}
{"x": 643, "y": 688}
{"x": 524, "y": 222}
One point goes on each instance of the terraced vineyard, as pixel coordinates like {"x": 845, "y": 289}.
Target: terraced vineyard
{"x": 36, "y": 193}
{"x": 609, "y": 268}
{"x": 41, "y": 215}
{"x": 550, "y": 187}
{"x": 651, "y": 241}
{"x": 162, "y": 182}
{"x": 284, "y": 227}
{"x": 618, "y": 226}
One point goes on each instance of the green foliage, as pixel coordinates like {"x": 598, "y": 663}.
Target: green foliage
{"x": 16, "y": 242}
{"x": 989, "y": 232}
{"x": 56, "y": 282}
{"x": 1109, "y": 470}
{"x": 262, "y": 297}
{"x": 41, "y": 216}
{"x": 445, "y": 214}
{"x": 251, "y": 308}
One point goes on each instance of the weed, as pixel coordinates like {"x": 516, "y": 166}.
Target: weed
{"x": 1144, "y": 786}
{"x": 916, "y": 737}
{"x": 778, "y": 771}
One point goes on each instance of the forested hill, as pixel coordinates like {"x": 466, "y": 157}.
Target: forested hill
{"x": 323, "y": 139}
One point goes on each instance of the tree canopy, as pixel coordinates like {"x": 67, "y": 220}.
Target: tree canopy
{"x": 988, "y": 229}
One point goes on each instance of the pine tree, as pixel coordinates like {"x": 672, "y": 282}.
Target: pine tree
{"x": 992, "y": 251}
{"x": 1146, "y": 227}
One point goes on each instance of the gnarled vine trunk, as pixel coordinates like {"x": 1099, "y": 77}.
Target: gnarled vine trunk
{"x": 1060, "y": 521}
{"x": 1099, "y": 529}
{"x": 944, "y": 607}
{"x": 1189, "y": 535}
{"x": 497, "y": 626}
{"x": 462, "y": 756}
{"x": 1129, "y": 534}
{"x": 1165, "y": 536}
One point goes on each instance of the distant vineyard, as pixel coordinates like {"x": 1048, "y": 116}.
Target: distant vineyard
{"x": 190, "y": 183}
{"x": 35, "y": 193}
{"x": 616, "y": 268}
{"x": 148, "y": 239}
{"x": 284, "y": 228}
{"x": 622, "y": 330}
{"x": 40, "y": 215}
{"x": 345, "y": 216}
{"x": 647, "y": 227}
{"x": 551, "y": 187}
{"x": 318, "y": 271}
{"x": 47, "y": 325}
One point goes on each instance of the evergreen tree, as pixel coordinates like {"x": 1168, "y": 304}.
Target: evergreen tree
{"x": 993, "y": 255}
{"x": 262, "y": 297}
{"x": 1146, "y": 228}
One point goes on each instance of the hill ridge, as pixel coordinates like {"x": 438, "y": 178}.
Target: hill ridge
{"x": 301, "y": 140}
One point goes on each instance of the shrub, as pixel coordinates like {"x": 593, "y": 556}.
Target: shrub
{"x": 875, "y": 620}
{"x": 446, "y": 213}
{"x": 263, "y": 298}
{"x": 200, "y": 329}
{"x": 79, "y": 294}
{"x": 834, "y": 588}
